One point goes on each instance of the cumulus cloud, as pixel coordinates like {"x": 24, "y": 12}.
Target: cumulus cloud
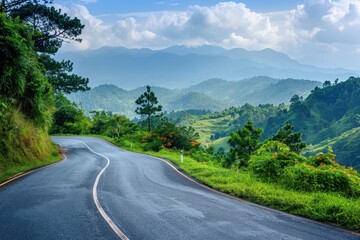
{"x": 227, "y": 24}
{"x": 329, "y": 21}
{"x": 313, "y": 27}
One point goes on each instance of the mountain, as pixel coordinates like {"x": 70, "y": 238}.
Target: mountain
{"x": 256, "y": 90}
{"x": 326, "y": 113}
{"x": 212, "y": 94}
{"x": 181, "y": 66}
{"x": 329, "y": 116}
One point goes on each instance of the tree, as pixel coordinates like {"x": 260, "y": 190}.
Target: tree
{"x": 54, "y": 26}
{"x": 243, "y": 143}
{"x": 287, "y": 136}
{"x": 51, "y": 29}
{"x": 22, "y": 83}
{"x": 68, "y": 117}
{"x": 58, "y": 74}
{"x": 148, "y": 105}
{"x": 326, "y": 84}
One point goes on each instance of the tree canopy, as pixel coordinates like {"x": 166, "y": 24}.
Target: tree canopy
{"x": 22, "y": 83}
{"x": 148, "y": 105}
{"x": 287, "y": 136}
{"x": 243, "y": 143}
{"x": 51, "y": 28}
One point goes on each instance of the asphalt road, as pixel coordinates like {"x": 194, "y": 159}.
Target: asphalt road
{"x": 141, "y": 195}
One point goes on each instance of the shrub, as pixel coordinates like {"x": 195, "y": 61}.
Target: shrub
{"x": 271, "y": 158}
{"x": 169, "y": 135}
{"x": 306, "y": 177}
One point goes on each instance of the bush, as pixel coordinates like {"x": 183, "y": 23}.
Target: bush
{"x": 305, "y": 177}
{"x": 271, "y": 158}
{"x": 169, "y": 135}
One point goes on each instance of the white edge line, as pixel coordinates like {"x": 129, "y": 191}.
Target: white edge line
{"x": 251, "y": 203}
{"x": 113, "y": 226}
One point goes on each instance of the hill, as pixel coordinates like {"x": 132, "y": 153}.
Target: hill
{"x": 213, "y": 95}
{"x": 180, "y": 66}
{"x": 346, "y": 146}
{"x": 329, "y": 116}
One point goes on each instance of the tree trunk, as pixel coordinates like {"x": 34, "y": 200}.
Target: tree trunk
{"x": 149, "y": 123}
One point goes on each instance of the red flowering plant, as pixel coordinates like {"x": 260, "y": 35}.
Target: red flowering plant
{"x": 271, "y": 158}
{"x": 323, "y": 173}
{"x": 169, "y": 135}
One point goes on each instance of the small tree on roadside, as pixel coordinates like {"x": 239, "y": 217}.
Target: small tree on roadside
{"x": 243, "y": 143}
{"x": 148, "y": 105}
{"x": 287, "y": 136}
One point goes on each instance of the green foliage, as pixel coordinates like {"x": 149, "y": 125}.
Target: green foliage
{"x": 23, "y": 145}
{"x": 305, "y": 177}
{"x": 169, "y": 135}
{"x": 103, "y": 123}
{"x": 22, "y": 83}
{"x": 270, "y": 160}
{"x": 275, "y": 162}
{"x": 125, "y": 126}
{"x": 326, "y": 113}
{"x": 55, "y": 27}
{"x": 69, "y": 118}
{"x": 291, "y": 139}
{"x": 51, "y": 28}
{"x": 148, "y": 105}
{"x": 58, "y": 74}
{"x": 346, "y": 146}
{"x": 243, "y": 143}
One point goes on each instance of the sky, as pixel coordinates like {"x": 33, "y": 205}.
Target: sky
{"x": 325, "y": 33}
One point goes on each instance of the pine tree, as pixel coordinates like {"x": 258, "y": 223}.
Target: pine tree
{"x": 148, "y": 105}
{"x": 288, "y": 137}
{"x": 243, "y": 143}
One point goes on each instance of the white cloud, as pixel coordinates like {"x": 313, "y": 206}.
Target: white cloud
{"x": 315, "y": 27}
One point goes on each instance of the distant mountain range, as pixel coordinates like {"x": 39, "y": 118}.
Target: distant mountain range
{"x": 212, "y": 94}
{"x": 181, "y": 66}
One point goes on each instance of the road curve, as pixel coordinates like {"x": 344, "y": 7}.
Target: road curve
{"x": 143, "y": 197}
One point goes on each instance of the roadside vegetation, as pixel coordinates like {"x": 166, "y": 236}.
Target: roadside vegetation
{"x": 263, "y": 162}
{"x": 268, "y": 171}
{"x": 30, "y": 33}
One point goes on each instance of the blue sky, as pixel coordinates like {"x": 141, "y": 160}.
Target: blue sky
{"x": 110, "y": 7}
{"x": 319, "y": 32}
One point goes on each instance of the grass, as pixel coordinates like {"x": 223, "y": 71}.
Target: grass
{"x": 25, "y": 148}
{"x": 29, "y": 164}
{"x": 325, "y": 207}
{"x": 206, "y": 127}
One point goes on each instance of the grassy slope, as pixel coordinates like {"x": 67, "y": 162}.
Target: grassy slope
{"x": 347, "y": 145}
{"x": 206, "y": 127}
{"x": 26, "y": 148}
{"x": 326, "y": 207}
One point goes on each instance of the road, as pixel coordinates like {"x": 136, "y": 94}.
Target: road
{"x": 142, "y": 196}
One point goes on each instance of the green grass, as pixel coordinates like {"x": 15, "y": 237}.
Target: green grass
{"x": 26, "y": 148}
{"x": 29, "y": 164}
{"x": 206, "y": 127}
{"x": 325, "y": 207}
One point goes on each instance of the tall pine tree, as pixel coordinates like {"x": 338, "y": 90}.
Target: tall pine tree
{"x": 148, "y": 105}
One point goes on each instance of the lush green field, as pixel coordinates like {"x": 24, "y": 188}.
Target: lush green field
{"x": 326, "y": 207}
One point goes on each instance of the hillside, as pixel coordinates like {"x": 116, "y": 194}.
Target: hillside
{"x": 346, "y": 146}
{"x": 326, "y": 113}
{"x": 329, "y": 116}
{"x": 213, "y": 95}
{"x": 180, "y": 66}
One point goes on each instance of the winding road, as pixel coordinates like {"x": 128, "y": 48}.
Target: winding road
{"x": 103, "y": 192}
